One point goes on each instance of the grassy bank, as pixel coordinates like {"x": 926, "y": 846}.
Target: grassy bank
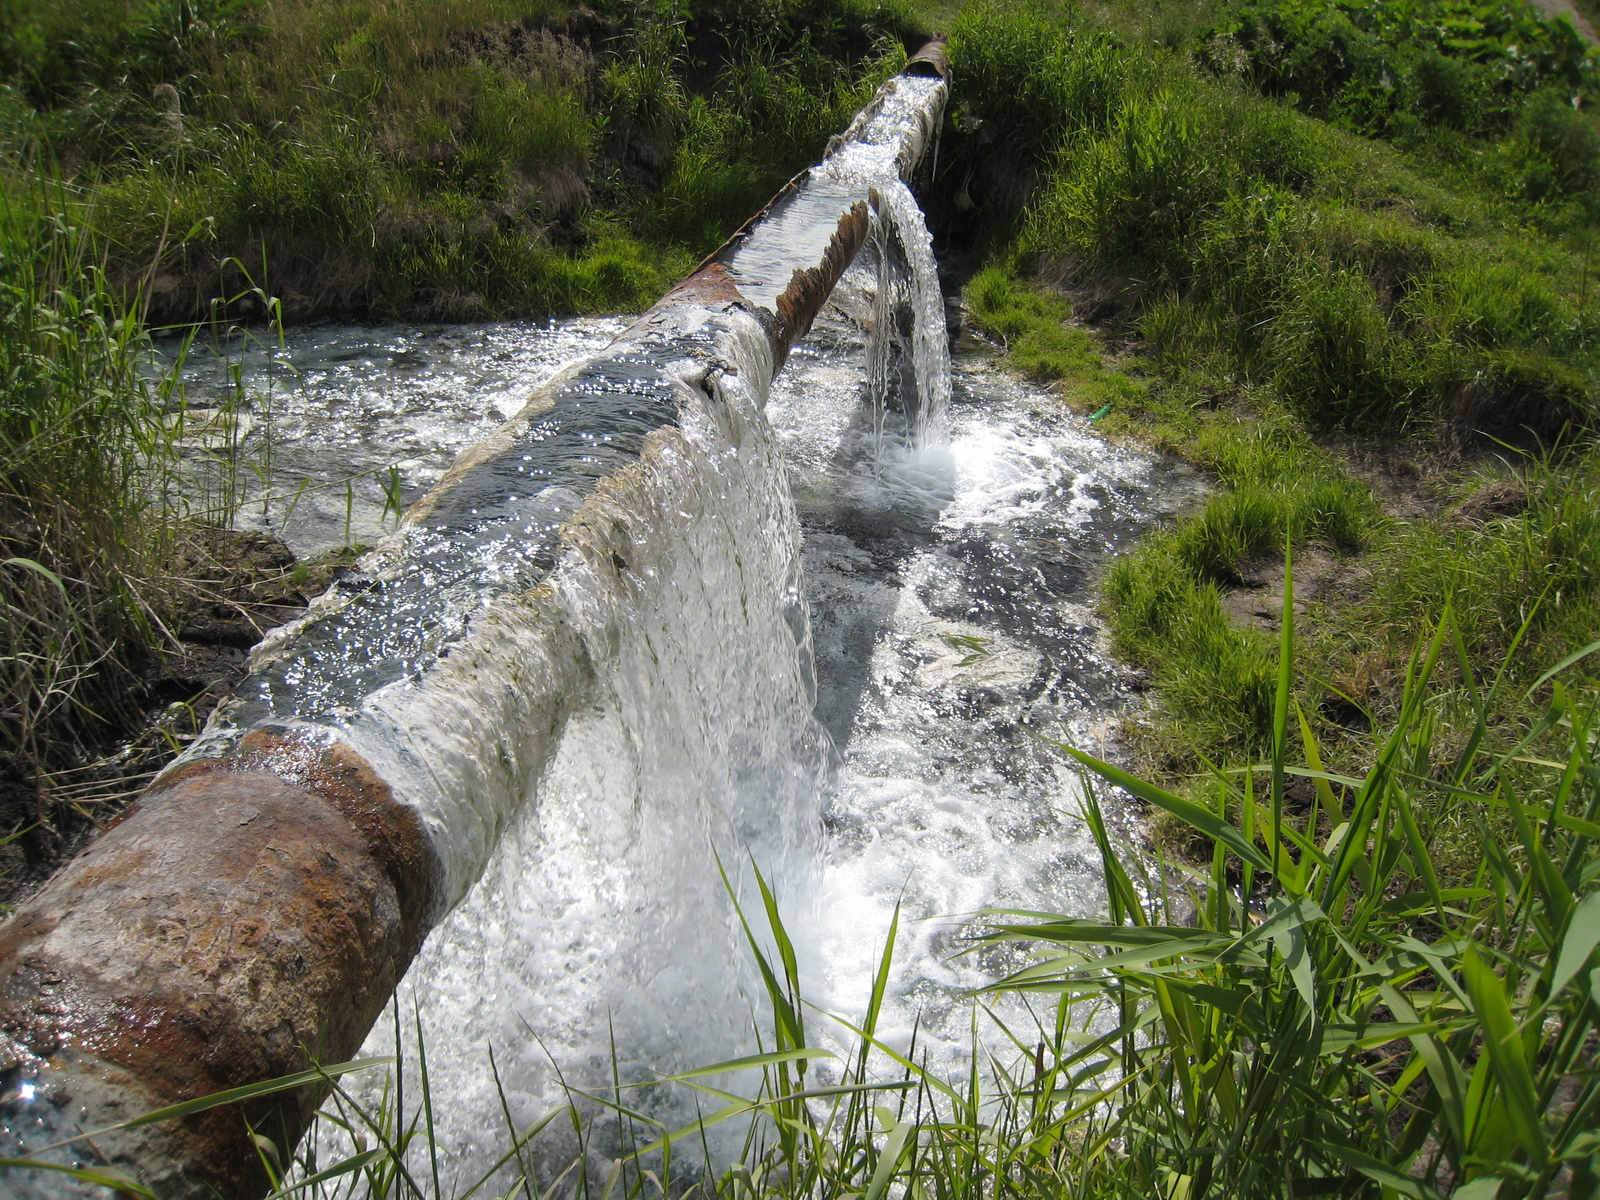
{"x": 1339, "y": 257}
{"x": 1290, "y": 301}
{"x": 447, "y": 160}
{"x": 118, "y": 566}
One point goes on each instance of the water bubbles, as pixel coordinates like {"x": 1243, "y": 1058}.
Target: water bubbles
{"x": 950, "y": 617}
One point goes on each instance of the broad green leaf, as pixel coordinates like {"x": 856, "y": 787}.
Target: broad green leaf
{"x": 1318, "y": 775}
{"x": 1286, "y": 928}
{"x": 889, "y": 1160}
{"x": 880, "y": 984}
{"x": 1449, "y": 1081}
{"x": 1338, "y": 1038}
{"x": 1100, "y": 933}
{"x": 1583, "y": 935}
{"x": 1582, "y": 1145}
{"x": 1203, "y": 949}
{"x": 1484, "y": 1187}
{"x": 1504, "y": 1042}
{"x": 1407, "y": 904}
{"x": 784, "y": 1017}
{"x": 1233, "y": 1001}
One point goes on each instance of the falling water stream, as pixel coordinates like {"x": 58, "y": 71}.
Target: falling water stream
{"x": 837, "y": 647}
{"x": 949, "y": 581}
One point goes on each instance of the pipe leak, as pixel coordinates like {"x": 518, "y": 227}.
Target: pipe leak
{"x": 252, "y": 913}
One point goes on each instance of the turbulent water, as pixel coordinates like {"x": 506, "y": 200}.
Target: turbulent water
{"x": 947, "y": 581}
{"x": 657, "y": 637}
{"x": 950, "y": 588}
{"x": 302, "y": 435}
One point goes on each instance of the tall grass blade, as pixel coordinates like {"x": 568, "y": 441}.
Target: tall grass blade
{"x": 1578, "y": 945}
{"x": 1503, "y": 1041}
{"x": 1202, "y": 819}
{"x": 107, "y": 1177}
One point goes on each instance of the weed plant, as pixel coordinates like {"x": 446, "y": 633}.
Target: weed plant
{"x": 1397, "y": 68}
{"x": 1316, "y": 1013}
{"x": 111, "y": 487}
{"x": 83, "y": 440}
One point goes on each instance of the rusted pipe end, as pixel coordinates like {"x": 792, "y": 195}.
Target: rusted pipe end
{"x": 931, "y": 61}
{"x": 809, "y": 289}
{"x": 248, "y": 916}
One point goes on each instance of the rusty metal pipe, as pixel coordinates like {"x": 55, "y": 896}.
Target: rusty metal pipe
{"x": 252, "y": 913}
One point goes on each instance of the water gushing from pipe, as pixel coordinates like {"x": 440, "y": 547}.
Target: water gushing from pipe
{"x": 601, "y": 918}
{"x": 591, "y": 632}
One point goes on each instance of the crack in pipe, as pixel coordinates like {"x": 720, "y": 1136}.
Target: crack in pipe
{"x": 252, "y": 913}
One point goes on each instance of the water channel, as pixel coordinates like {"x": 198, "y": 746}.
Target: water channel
{"x": 948, "y": 581}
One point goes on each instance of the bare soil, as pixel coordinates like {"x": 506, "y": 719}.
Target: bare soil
{"x": 1319, "y": 577}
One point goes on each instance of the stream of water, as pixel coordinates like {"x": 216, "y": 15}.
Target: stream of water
{"x": 947, "y": 578}
{"x": 655, "y": 638}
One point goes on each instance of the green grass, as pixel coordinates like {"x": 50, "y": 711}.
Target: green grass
{"x": 457, "y": 159}
{"x": 1237, "y": 236}
{"x": 1315, "y": 1011}
{"x": 1289, "y": 288}
{"x": 1033, "y": 324}
{"x": 1520, "y": 575}
{"x": 110, "y": 488}
{"x": 84, "y": 441}
{"x": 1163, "y": 601}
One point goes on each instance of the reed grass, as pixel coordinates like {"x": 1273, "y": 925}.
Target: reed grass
{"x": 83, "y": 439}
{"x": 1316, "y": 1012}
{"x": 112, "y": 489}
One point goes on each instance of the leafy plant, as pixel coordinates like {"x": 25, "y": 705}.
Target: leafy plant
{"x": 1333, "y": 1017}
